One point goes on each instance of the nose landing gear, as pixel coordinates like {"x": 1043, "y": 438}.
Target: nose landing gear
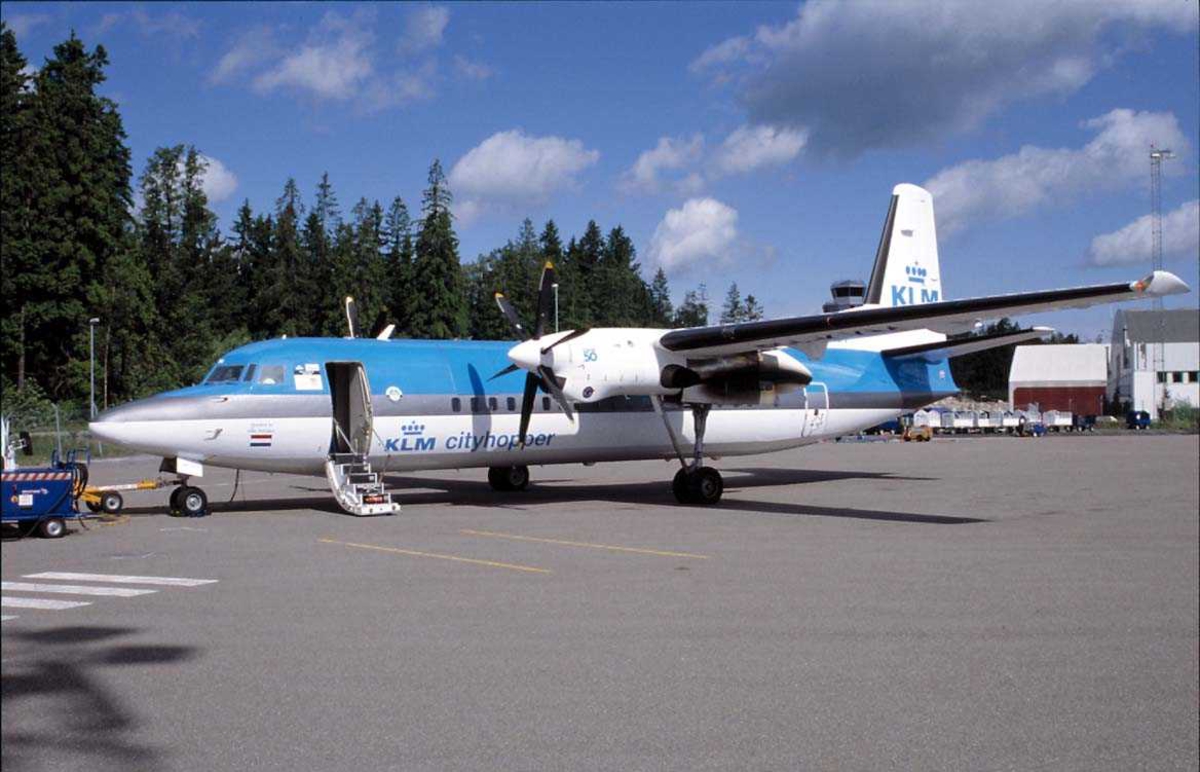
{"x": 188, "y": 501}
{"x": 508, "y": 478}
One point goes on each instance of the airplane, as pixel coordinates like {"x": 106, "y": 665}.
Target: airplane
{"x": 358, "y": 409}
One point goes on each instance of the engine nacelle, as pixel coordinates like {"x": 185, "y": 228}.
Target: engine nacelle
{"x": 766, "y": 366}
{"x": 610, "y": 362}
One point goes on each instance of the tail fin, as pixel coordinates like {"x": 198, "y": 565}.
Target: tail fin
{"x": 906, "y": 271}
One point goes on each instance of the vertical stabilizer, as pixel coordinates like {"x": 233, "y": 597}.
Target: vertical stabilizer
{"x": 906, "y": 271}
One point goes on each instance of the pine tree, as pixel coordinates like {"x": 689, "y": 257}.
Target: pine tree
{"x": 398, "y": 235}
{"x": 74, "y": 180}
{"x": 733, "y": 312}
{"x": 286, "y": 303}
{"x": 17, "y": 254}
{"x": 661, "y": 312}
{"x": 693, "y": 311}
{"x": 752, "y": 311}
{"x": 439, "y": 310}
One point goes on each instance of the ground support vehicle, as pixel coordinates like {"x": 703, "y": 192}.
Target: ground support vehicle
{"x": 42, "y": 498}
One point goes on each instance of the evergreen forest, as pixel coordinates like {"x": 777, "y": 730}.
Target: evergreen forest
{"x": 170, "y": 289}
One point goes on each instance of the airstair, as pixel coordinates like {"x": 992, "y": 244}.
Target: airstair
{"x": 359, "y": 490}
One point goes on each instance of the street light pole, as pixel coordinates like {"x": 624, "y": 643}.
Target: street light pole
{"x": 92, "y": 366}
{"x": 555, "y": 286}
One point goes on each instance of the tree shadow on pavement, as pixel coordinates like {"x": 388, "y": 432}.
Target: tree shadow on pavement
{"x": 57, "y": 708}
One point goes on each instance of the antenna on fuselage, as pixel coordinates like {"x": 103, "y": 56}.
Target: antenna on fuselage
{"x": 351, "y": 316}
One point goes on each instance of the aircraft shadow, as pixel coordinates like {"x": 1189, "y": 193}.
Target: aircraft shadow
{"x": 480, "y": 494}
{"x": 62, "y": 674}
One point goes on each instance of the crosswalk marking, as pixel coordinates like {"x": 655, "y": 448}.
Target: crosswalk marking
{"x": 168, "y": 581}
{"x": 74, "y": 589}
{"x": 6, "y": 617}
{"x": 41, "y": 603}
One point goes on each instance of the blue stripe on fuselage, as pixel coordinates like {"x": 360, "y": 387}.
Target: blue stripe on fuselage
{"x": 464, "y": 367}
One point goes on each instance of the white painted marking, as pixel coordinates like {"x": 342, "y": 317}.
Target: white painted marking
{"x": 168, "y": 581}
{"x": 42, "y": 603}
{"x": 74, "y": 589}
{"x": 6, "y": 617}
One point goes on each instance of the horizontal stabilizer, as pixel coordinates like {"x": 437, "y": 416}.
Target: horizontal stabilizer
{"x": 936, "y": 352}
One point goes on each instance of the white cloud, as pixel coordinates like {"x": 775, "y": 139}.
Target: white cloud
{"x": 423, "y": 29}
{"x": 472, "y": 70}
{"x": 251, "y": 49}
{"x": 751, "y": 147}
{"x": 1034, "y": 176}
{"x": 333, "y": 64}
{"x": 1132, "y": 244}
{"x": 670, "y": 153}
{"x": 702, "y": 230}
{"x": 888, "y": 74}
{"x": 218, "y": 181}
{"x": 23, "y": 23}
{"x": 513, "y": 168}
{"x": 401, "y": 88}
{"x": 172, "y": 25}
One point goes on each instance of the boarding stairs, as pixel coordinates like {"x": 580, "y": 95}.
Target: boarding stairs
{"x": 358, "y": 489}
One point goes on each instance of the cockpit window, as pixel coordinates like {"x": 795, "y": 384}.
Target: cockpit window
{"x": 225, "y": 374}
{"x": 270, "y": 375}
{"x": 249, "y": 374}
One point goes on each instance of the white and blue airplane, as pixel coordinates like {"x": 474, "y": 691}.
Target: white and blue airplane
{"x": 347, "y": 408}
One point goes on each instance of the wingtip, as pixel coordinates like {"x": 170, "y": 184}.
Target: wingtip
{"x": 1160, "y": 283}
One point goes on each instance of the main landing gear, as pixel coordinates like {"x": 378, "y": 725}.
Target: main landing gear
{"x": 508, "y": 478}
{"x": 694, "y": 483}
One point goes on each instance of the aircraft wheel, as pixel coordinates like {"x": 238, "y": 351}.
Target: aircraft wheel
{"x": 508, "y": 478}
{"x": 111, "y": 502}
{"x": 52, "y": 528}
{"x": 193, "y": 502}
{"x": 681, "y": 488}
{"x": 174, "y": 499}
{"x": 706, "y": 485}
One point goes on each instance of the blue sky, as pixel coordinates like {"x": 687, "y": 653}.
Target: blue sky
{"x": 748, "y": 142}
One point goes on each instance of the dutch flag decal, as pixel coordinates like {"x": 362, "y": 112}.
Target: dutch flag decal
{"x": 260, "y": 440}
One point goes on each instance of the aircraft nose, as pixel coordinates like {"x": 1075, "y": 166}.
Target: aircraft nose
{"x": 124, "y": 424}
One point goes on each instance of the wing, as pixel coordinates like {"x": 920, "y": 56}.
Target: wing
{"x": 813, "y": 332}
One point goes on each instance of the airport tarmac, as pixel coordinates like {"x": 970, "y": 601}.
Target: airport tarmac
{"x": 962, "y": 604}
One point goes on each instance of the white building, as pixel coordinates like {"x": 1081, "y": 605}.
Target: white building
{"x": 1133, "y": 380}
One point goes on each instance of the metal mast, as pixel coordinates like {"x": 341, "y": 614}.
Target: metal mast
{"x": 1157, "y": 156}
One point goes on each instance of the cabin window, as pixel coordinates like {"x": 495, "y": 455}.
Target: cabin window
{"x": 249, "y": 374}
{"x": 225, "y": 374}
{"x": 512, "y": 404}
{"x": 456, "y": 405}
{"x": 1176, "y": 377}
{"x": 475, "y": 405}
{"x": 546, "y": 403}
{"x": 492, "y": 404}
{"x": 270, "y": 375}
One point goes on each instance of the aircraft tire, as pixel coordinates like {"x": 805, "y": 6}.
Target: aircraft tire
{"x": 706, "y": 486}
{"x": 508, "y": 478}
{"x": 681, "y": 488}
{"x": 193, "y": 502}
{"x": 174, "y": 499}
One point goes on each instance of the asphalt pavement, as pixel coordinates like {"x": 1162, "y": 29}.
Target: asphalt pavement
{"x": 961, "y": 604}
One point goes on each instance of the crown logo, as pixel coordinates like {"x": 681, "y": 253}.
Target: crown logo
{"x": 412, "y": 429}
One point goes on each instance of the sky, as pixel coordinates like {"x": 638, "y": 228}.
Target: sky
{"x": 748, "y": 142}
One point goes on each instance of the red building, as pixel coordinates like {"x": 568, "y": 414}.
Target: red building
{"x": 1070, "y": 377}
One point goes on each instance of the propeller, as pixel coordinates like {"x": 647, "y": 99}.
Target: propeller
{"x": 528, "y": 358}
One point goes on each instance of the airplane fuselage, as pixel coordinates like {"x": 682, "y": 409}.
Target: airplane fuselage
{"x": 432, "y": 406}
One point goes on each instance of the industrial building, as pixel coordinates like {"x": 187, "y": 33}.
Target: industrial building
{"x": 1155, "y": 359}
{"x": 1067, "y": 377}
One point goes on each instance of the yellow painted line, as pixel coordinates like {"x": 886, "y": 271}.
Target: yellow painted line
{"x": 439, "y": 556}
{"x": 613, "y": 548}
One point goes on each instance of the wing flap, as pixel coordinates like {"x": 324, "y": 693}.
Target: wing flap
{"x": 936, "y": 352}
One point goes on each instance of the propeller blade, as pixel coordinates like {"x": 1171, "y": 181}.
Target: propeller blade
{"x": 531, "y": 387}
{"x": 550, "y": 384}
{"x": 510, "y": 314}
{"x": 545, "y": 300}
{"x": 505, "y": 371}
{"x": 565, "y": 338}
{"x": 351, "y": 316}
